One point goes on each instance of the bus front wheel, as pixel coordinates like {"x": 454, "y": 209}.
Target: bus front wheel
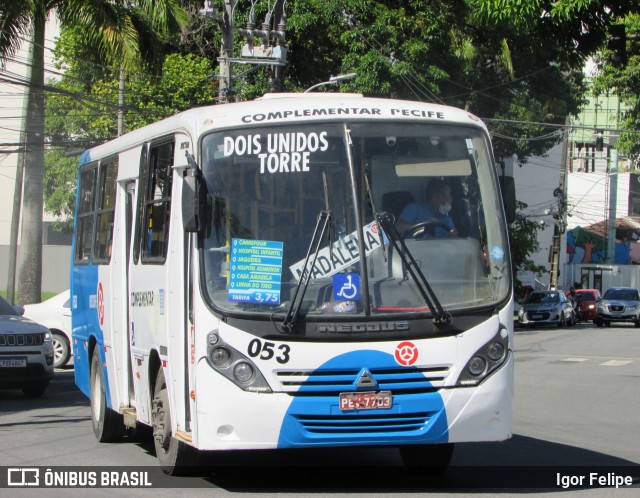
{"x": 174, "y": 456}
{"x": 429, "y": 458}
{"x": 108, "y": 425}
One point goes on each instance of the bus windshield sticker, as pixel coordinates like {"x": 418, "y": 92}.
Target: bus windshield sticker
{"x": 346, "y": 286}
{"x": 279, "y": 152}
{"x": 255, "y": 272}
{"x": 344, "y": 253}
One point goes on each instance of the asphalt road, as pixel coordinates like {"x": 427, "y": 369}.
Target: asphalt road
{"x": 576, "y": 410}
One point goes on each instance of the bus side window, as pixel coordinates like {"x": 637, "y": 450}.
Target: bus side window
{"x": 157, "y": 206}
{"x": 105, "y": 211}
{"x": 85, "y": 217}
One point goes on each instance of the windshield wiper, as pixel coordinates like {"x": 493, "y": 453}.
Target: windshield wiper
{"x": 440, "y": 315}
{"x": 323, "y": 221}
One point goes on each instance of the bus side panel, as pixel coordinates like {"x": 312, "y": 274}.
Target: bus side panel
{"x": 84, "y": 322}
{"x": 91, "y": 324}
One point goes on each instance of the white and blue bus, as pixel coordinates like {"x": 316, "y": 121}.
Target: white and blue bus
{"x": 239, "y": 280}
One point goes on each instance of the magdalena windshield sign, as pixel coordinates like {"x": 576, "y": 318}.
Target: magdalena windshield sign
{"x": 343, "y": 253}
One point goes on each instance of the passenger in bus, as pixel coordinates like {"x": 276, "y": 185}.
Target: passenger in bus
{"x": 435, "y": 210}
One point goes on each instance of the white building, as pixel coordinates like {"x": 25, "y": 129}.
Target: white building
{"x": 588, "y": 192}
{"x": 13, "y": 91}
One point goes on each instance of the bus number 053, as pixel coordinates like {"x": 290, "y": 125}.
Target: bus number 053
{"x": 267, "y": 350}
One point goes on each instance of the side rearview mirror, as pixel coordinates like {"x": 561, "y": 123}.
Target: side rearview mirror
{"x": 194, "y": 202}
{"x": 508, "y": 190}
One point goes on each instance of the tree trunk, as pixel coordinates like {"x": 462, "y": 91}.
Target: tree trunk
{"x": 30, "y": 274}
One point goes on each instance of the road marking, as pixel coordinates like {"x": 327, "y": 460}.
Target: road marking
{"x": 573, "y": 360}
{"x": 615, "y": 363}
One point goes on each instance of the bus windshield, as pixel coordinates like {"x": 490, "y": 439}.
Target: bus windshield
{"x": 271, "y": 187}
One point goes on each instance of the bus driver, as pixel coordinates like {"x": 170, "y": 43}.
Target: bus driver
{"x": 435, "y": 209}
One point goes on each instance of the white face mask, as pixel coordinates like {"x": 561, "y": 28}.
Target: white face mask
{"x": 444, "y": 208}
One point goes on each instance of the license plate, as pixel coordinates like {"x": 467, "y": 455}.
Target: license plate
{"x": 537, "y": 317}
{"x": 13, "y": 362}
{"x": 365, "y": 401}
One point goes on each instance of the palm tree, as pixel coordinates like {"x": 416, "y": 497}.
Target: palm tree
{"x": 126, "y": 30}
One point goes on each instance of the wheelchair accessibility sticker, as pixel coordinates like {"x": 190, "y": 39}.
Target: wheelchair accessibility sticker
{"x": 346, "y": 286}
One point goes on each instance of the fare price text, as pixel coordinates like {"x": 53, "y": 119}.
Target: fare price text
{"x": 594, "y": 479}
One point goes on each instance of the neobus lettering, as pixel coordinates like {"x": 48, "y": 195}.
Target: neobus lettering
{"x": 418, "y": 113}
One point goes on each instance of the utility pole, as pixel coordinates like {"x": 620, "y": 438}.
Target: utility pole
{"x": 271, "y": 49}
{"x": 226, "y": 53}
{"x": 559, "y": 215}
{"x": 613, "y": 199}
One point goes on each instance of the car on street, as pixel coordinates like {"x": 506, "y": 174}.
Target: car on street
{"x": 55, "y": 314}
{"x": 546, "y": 308}
{"x": 586, "y": 303}
{"x": 26, "y": 353}
{"x": 619, "y": 304}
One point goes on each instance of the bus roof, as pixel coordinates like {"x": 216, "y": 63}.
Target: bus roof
{"x": 288, "y": 108}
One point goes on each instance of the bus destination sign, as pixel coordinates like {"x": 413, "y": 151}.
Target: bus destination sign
{"x": 255, "y": 271}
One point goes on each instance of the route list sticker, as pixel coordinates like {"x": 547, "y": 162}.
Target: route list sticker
{"x": 255, "y": 271}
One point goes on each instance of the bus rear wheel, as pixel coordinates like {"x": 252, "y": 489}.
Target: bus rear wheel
{"x": 108, "y": 425}
{"x": 175, "y": 457}
{"x": 429, "y": 458}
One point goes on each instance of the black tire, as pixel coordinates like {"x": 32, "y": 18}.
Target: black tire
{"x": 175, "y": 457}
{"x": 607, "y": 323}
{"x": 108, "y": 425}
{"x": 61, "y": 350}
{"x": 429, "y": 458}
{"x": 637, "y": 323}
{"x": 36, "y": 389}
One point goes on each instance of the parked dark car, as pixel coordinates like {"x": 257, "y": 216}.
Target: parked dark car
{"x": 619, "y": 304}
{"x": 586, "y": 303}
{"x": 546, "y": 308}
{"x": 26, "y": 353}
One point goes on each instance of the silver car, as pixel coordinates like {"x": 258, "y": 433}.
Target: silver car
{"x": 547, "y": 308}
{"x": 26, "y": 353}
{"x": 619, "y": 304}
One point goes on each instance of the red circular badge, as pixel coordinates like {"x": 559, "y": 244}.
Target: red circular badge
{"x": 100, "y": 304}
{"x": 406, "y": 353}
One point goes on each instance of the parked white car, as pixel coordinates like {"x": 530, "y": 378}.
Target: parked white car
{"x": 55, "y": 314}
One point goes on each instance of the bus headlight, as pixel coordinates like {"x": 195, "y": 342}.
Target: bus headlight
{"x": 495, "y": 351}
{"x": 243, "y": 372}
{"x": 477, "y": 365}
{"x": 489, "y": 358}
{"x": 233, "y": 365}
{"x": 220, "y": 357}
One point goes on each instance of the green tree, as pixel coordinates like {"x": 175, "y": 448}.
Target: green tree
{"x": 124, "y": 29}
{"x": 523, "y": 239}
{"x": 624, "y": 81}
{"x": 82, "y": 114}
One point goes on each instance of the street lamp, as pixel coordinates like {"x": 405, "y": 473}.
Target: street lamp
{"x": 333, "y": 80}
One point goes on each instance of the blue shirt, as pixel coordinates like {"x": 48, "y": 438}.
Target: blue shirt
{"x": 415, "y": 213}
